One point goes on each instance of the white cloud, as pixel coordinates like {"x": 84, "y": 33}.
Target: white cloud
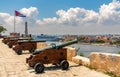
{"x": 107, "y": 15}
{"x": 74, "y": 20}
{"x": 110, "y": 14}
{"x": 73, "y": 17}
{"x": 7, "y": 20}
{"x": 30, "y": 12}
{"x": 106, "y": 20}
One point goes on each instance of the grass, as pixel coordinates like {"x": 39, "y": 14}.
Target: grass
{"x": 107, "y": 73}
{"x": 118, "y": 52}
{"x": 90, "y": 67}
{"x": 75, "y": 75}
{"x": 81, "y": 54}
{"x": 111, "y": 74}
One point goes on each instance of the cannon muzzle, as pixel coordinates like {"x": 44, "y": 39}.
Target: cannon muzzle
{"x": 54, "y": 46}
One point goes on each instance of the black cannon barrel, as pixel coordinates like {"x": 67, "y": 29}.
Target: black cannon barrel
{"x": 54, "y": 46}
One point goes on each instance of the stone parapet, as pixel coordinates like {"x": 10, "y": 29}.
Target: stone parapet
{"x": 41, "y": 45}
{"x": 71, "y": 52}
{"x": 106, "y": 62}
{"x": 81, "y": 60}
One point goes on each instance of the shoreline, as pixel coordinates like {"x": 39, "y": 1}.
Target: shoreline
{"x": 96, "y": 44}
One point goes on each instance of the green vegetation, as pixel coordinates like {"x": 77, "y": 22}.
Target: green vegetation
{"x": 81, "y": 39}
{"x": 111, "y": 43}
{"x": 111, "y": 74}
{"x": 31, "y": 39}
{"x": 100, "y": 41}
{"x": 75, "y": 75}
{"x": 117, "y": 42}
{"x": 90, "y": 67}
{"x": 2, "y": 29}
{"x": 107, "y": 73}
{"x": 118, "y": 52}
{"x": 81, "y": 54}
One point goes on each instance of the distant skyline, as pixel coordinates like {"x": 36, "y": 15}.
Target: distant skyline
{"x": 62, "y": 16}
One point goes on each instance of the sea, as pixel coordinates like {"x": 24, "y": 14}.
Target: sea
{"x": 86, "y": 49}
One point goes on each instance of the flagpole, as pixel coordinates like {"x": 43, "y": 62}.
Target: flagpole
{"x": 14, "y": 22}
{"x": 17, "y": 14}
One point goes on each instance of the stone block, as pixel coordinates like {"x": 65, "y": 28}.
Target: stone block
{"x": 41, "y": 45}
{"x": 71, "y": 52}
{"x": 81, "y": 60}
{"x": 106, "y": 62}
{"x": 77, "y": 60}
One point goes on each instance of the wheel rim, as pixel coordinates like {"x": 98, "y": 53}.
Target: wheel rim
{"x": 39, "y": 68}
{"x": 19, "y": 51}
{"x": 64, "y": 65}
{"x": 10, "y": 46}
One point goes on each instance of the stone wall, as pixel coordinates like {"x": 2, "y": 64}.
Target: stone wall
{"x": 106, "y": 62}
{"x": 41, "y": 45}
{"x": 72, "y": 56}
{"x": 81, "y": 60}
{"x": 71, "y": 52}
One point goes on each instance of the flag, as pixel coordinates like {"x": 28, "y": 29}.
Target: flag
{"x": 19, "y": 14}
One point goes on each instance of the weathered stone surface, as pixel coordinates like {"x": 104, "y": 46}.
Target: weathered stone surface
{"x": 77, "y": 60}
{"x": 71, "y": 52}
{"x": 41, "y": 45}
{"x": 106, "y": 62}
{"x": 81, "y": 60}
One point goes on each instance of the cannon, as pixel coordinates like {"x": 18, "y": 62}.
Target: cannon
{"x": 14, "y": 41}
{"x": 54, "y": 54}
{"x": 6, "y": 40}
{"x": 30, "y": 45}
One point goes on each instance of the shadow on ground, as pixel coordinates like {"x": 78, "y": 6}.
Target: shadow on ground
{"x": 53, "y": 67}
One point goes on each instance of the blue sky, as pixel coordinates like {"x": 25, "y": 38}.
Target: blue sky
{"x": 48, "y": 8}
{"x": 62, "y": 16}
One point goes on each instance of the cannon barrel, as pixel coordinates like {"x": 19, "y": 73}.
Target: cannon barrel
{"x": 54, "y": 46}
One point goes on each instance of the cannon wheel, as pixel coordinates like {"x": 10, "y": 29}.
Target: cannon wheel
{"x": 10, "y": 45}
{"x": 39, "y": 68}
{"x": 19, "y": 51}
{"x": 64, "y": 64}
{"x": 32, "y": 50}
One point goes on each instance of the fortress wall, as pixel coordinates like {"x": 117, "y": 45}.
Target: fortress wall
{"x": 71, "y": 52}
{"x": 81, "y": 60}
{"x": 106, "y": 62}
{"x": 41, "y": 45}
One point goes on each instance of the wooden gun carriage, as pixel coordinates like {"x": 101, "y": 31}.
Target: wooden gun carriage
{"x": 30, "y": 45}
{"x": 54, "y": 54}
{"x": 6, "y": 40}
{"x": 14, "y": 41}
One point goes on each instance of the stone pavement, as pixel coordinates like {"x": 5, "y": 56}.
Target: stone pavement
{"x": 13, "y": 65}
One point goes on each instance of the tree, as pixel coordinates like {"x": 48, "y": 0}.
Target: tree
{"x": 2, "y": 29}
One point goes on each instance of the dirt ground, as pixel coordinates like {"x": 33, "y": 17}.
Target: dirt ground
{"x": 13, "y": 65}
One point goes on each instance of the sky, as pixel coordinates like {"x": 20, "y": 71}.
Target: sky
{"x": 62, "y": 16}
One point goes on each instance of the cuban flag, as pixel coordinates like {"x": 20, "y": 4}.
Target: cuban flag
{"x": 19, "y": 14}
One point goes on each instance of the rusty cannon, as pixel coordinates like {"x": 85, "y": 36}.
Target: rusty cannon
{"x": 14, "y": 41}
{"x": 54, "y": 54}
{"x": 6, "y": 40}
{"x": 30, "y": 45}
